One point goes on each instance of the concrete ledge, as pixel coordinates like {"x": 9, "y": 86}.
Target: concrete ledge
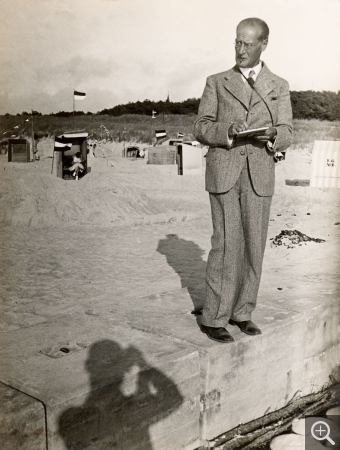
{"x": 254, "y": 375}
{"x": 124, "y": 389}
{"x": 188, "y": 389}
{"x": 22, "y": 421}
{"x": 242, "y": 380}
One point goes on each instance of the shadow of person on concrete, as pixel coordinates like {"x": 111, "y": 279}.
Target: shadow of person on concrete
{"x": 185, "y": 257}
{"x": 127, "y": 396}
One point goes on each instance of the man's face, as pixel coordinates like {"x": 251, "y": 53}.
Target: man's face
{"x": 248, "y": 55}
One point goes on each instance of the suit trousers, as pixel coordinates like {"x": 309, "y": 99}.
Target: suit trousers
{"x": 240, "y": 223}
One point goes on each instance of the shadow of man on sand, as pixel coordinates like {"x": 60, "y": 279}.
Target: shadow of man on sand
{"x": 185, "y": 257}
{"x": 127, "y": 396}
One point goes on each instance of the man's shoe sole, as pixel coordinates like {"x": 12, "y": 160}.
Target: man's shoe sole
{"x": 217, "y": 340}
{"x": 250, "y": 334}
{"x": 243, "y": 331}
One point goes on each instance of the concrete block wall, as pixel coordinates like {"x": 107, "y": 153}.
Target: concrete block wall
{"x": 22, "y": 421}
{"x": 255, "y": 375}
{"x": 322, "y": 352}
{"x": 128, "y": 392}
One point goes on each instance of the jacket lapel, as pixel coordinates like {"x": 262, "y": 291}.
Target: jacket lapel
{"x": 264, "y": 84}
{"x": 235, "y": 85}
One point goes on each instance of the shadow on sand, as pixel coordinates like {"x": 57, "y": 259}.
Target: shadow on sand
{"x": 127, "y": 396}
{"x": 185, "y": 257}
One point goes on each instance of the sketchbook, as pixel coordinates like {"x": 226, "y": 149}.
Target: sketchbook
{"x": 253, "y": 131}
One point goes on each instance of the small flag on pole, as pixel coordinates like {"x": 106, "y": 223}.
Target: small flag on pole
{"x": 160, "y": 133}
{"x": 61, "y": 144}
{"x": 180, "y": 135}
{"x": 79, "y": 95}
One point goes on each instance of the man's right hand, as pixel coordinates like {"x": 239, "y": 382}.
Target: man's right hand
{"x": 236, "y": 128}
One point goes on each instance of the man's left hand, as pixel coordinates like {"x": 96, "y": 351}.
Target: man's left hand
{"x": 268, "y": 135}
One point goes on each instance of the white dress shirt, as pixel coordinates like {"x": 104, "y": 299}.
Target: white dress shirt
{"x": 246, "y": 71}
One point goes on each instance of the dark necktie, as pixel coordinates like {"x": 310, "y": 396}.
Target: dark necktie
{"x": 249, "y": 83}
{"x": 251, "y": 80}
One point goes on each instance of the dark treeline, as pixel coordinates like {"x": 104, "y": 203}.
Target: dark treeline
{"x": 69, "y": 114}
{"x": 306, "y": 105}
{"x": 323, "y": 105}
{"x": 189, "y": 106}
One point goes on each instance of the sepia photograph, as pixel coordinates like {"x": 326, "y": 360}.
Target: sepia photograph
{"x": 170, "y": 225}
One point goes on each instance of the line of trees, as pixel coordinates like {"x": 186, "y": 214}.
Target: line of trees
{"x": 189, "y": 106}
{"x": 323, "y": 105}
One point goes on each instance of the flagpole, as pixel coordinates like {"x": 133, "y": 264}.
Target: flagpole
{"x": 73, "y": 109}
{"x": 153, "y": 116}
{"x": 32, "y": 137}
{"x": 151, "y": 132}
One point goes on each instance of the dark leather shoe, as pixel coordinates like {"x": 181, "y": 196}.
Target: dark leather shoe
{"x": 217, "y": 334}
{"x": 247, "y": 326}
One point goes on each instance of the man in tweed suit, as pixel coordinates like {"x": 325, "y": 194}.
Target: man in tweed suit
{"x": 240, "y": 177}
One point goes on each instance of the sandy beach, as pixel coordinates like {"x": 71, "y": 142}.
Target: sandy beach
{"x": 129, "y": 191}
{"x": 130, "y": 200}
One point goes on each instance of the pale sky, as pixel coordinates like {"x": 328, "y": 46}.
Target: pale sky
{"x": 127, "y": 50}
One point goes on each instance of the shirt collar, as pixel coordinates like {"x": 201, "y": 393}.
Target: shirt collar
{"x": 246, "y": 71}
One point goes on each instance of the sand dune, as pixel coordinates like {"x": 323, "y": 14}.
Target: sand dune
{"x": 119, "y": 190}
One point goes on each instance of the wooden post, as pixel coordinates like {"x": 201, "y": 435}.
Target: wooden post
{"x": 73, "y": 109}
{"x": 124, "y": 134}
{"x": 151, "y": 132}
{"x": 52, "y": 162}
{"x": 32, "y": 137}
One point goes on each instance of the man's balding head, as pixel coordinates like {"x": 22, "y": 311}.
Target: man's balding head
{"x": 257, "y": 23}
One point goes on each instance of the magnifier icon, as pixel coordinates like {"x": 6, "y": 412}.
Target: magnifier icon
{"x": 318, "y": 433}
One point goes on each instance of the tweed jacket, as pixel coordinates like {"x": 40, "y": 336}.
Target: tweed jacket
{"x": 225, "y": 101}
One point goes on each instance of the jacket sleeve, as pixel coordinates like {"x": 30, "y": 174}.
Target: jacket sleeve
{"x": 207, "y": 129}
{"x": 284, "y": 124}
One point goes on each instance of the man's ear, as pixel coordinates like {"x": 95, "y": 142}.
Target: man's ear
{"x": 264, "y": 45}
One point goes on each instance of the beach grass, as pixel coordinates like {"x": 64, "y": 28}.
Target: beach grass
{"x": 140, "y": 128}
{"x": 305, "y": 132}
